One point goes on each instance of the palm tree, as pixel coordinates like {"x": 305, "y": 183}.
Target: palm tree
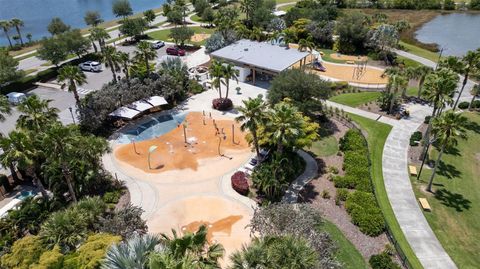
{"x": 133, "y": 253}
{"x": 397, "y": 81}
{"x": 284, "y": 123}
{"x": 252, "y": 117}
{"x": 475, "y": 92}
{"x": 229, "y": 72}
{"x": 124, "y": 59}
{"x": 216, "y": 72}
{"x": 145, "y": 52}
{"x": 256, "y": 34}
{"x": 4, "y": 107}
{"x": 36, "y": 114}
{"x": 447, "y": 128}
{"x": 420, "y": 73}
{"x": 469, "y": 64}
{"x": 100, "y": 35}
{"x": 110, "y": 57}
{"x": 19, "y": 148}
{"x": 6, "y": 27}
{"x": 439, "y": 88}
{"x": 71, "y": 76}
{"x": 306, "y": 44}
{"x": 248, "y": 7}
{"x": 17, "y": 23}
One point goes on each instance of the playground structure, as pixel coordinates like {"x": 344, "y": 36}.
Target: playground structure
{"x": 359, "y": 69}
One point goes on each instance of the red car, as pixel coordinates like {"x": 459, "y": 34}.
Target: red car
{"x": 175, "y": 51}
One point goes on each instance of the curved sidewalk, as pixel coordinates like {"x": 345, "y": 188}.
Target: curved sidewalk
{"x": 399, "y": 189}
{"x": 311, "y": 171}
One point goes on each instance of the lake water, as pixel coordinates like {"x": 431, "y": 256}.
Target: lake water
{"x": 456, "y": 33}
{"x": 37, "y": 13}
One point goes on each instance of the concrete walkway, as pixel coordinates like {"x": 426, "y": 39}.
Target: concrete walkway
{"x": 311, "y": 171}
{"x": 399, "y": 189}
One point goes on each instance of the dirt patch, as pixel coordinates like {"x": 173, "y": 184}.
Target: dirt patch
{"x": 343, "y": 57}
{"x": 172, "y": 153}
{"x": 348, "y": 73}
{"x": 337, "y": 214}
{"x": 199, "y": 37}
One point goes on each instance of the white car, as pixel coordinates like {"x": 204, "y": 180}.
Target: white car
{"x": 91, "y": 66}
{"x": 16, "y": 98}
{"x": 156, "y": 44}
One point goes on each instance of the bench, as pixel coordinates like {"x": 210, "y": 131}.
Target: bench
{"x": 413, "y": 170}
{"x": 350, "y": 62}
{"x": 424, "y": 203}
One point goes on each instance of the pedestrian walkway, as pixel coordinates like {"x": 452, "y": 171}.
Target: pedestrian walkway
{"x": 311, "y": 171}
{"x": 399, "y": 189}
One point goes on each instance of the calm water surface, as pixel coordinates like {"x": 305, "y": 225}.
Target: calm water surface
{"x": 37, "y": 13}
{"x": 455, "y": 33}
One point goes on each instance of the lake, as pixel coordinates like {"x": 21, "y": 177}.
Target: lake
{"x": 456, "y": 33}
{"x": 37, "y": 13}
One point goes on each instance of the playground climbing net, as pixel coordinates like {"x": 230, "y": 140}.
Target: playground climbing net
{"x": 359, "y": 70}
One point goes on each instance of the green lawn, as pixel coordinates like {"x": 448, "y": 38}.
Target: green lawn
{"x": 285, "y": 1}
{"x": 164, "y": 34}
{"x": 432, "y": 56}
{"x": 408, "y": 62}
{"x": 326, "y": 146}
{"x": 412, "y": 91}
{"x": 355, "y": 99}
{"x": 347, "y": 253}
{"x": 455, "y": 216}
{"x": 377, "y": 134}
{"x": 286, "y": 7}
{"x": 196, "y": 18}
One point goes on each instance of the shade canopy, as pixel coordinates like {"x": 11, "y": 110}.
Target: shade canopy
{"x": 138, "y": 107}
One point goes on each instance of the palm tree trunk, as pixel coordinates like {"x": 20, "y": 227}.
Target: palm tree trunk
{"x": 37, "y": 182}
{"x": 8, "y": 37}
{"x": 228, "y": 87}
{"x": 94, "y": 46}
{"x": 113, "y": 70}
{"x": 255, "y": 142}
{"x": 68, "y": 178}
{"x": 420, "y": 85}
{"x": 392, "y": 102}
{"x": 471, "y": 103}
{"x": 437, "y": 162}
{"x": 19, "y": 34}
{"x": 125, "y": 70}
{"x": 73, "y": 89}
{"x": 465, "y": 80}
{"x": 13, "y": 171}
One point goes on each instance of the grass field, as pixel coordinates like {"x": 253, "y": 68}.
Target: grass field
{"x": 455, "y": 215}
{"x": 164, "y": 34}
{"x": 285, "y": 1}
{"x": 432, "y": 56}
{"x": 355, "y": 99}
{"x": 326, "y": 146}
{"x": 286, "y": 7}
{"x": 347, "y": 253}
{"x": 377, "y": 134}
{"x": 407, "y": 61}
{"x": 196, "y": 18}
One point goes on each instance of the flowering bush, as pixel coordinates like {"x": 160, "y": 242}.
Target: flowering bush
{"x": 239, "y": 183}
{"x": 222, "y": 104}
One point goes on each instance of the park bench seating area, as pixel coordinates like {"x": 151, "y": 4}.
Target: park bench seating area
{"x": 424, "y": 203}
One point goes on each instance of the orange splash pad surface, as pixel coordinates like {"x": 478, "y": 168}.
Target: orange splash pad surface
{"x": 173, "y": 153}
{"x": 345, "y": 73}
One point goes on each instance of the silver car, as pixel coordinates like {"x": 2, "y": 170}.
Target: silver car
{"x": 91, "y": 66}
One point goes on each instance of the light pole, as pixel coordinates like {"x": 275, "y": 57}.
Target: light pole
{"x": 233, "y": 133}
{"x": 185, "y": 125}
{"x": 71, "y": 113}
{"x": 150, "y": 150}
{"x": 134, "y": 146}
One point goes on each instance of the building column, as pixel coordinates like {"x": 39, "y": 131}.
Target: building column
{"x": 253, "y": 76}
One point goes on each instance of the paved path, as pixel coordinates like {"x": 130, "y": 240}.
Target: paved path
{"x": 399, "y": 189}
{"x": 311, "y": 171}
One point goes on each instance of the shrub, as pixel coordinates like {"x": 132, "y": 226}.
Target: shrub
{"x": 427, "y": 119}
{"x": 382, "y": 261}
{"x": 476, "y": 104}
{"x": 194, "y": 87}
{"x": 365, "y": 213}
{"x": 222, "y": 104}
{"x": 239, "y": 183}
{"x": 342, "y": 194}
{"x": 416, "y": 136}
{"x": 333, "y": 170}
{"x": 463, "y": 105}
{"x": 325, "y": 194}
{"x": 352, "y": 140}
{"x": 112, "y": 197}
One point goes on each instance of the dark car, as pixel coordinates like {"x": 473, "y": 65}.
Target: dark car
{"x": 175, "y": 51}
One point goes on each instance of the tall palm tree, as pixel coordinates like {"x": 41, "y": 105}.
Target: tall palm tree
{"x": 283, "y": 122}
{"x": 475, "y": 92}
{"x": 256, "y": 34}
{"x": 145, "y": 53}
{"x": 110, "y": 58}
{"x": 100, "y": 35}
{"x": 439, "y": 88}
{"x": 216, "y": 72}
{"x": 17, "y": 23}
{"x": 133, "y": 253}
{"x": 252, "y": 117}
{"x": 19, "y": 148}
{"x": 447, "y": 128}
{"x": 36, "y": 114}
{"x": 71, "y": 76}
{"x": 248, "y": 7}
{"x": 125, "y": 61}
{"x": 420, "y": 73}
{"x": 4, "y": 107}
{"x": 397, "y": 81}
{"x": 306, "y": 44}
{"x": 467, "y": 65}
{"x": 229, "y": 72}
{"x": 5, "y": 25}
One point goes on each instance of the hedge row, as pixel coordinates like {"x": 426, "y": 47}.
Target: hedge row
{"x": 28, "y": 82}
{"x": 361, "y": 204}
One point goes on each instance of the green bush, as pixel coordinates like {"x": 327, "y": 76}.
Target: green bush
{"x": 382, "y": 261}
{"x": 342, "y": 194}
{"x": 365, "y": 212}
{"x": 194, "y": 87}
{"x": 112, "y": 197}
{"x": 352, "y": 140}
{"x": 463, "y": 105}
{"x": 325, "y": 194}
{"x": 476, "y": 104}
{"x": 416, "y": 136}
{"x": 427, "y": 119}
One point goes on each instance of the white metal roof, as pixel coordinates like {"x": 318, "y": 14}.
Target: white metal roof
{"x": 156, "y": 101}
{"x": 260, "y": 54}
{"x": 135, "y": 108}
{"x": 125, "y": 112}
{"x": 140, "y": 106}
{"x": 279, "y": 13}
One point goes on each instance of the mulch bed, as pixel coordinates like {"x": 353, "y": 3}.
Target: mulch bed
{"x": 365, "y": 244}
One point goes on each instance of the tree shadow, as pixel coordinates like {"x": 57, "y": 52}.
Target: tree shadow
{"x": 447, "y": 170}
{"x": 322, "y": 166}
{"x": 308, "y": 194}
{"x": 454, "y": 200}
{"x": 328, "y": 128}
{"x": 473, "y": 126}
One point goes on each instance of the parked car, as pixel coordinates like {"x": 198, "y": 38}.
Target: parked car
{"x": 91, "y": 66}
{"x": 175, "y": 51}
{"x": 16, "y": 98}
{"x": 156, "y": 44}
